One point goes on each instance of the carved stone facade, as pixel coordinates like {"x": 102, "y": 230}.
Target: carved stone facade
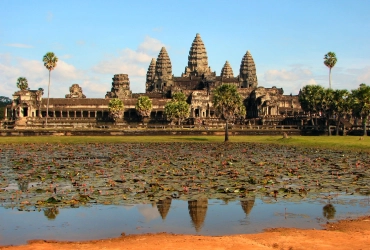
{"x": 197, "y": 83}
{"x": 75, "y": 91}
{"x": 120, "y": 87}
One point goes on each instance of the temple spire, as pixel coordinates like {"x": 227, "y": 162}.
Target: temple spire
{"x": 197, "y": 59}
{"x": 150, "y": 75}
{"x": 163, "y": 71}
{"x": 248, "y": 75}
{"x": 227, "y": 71}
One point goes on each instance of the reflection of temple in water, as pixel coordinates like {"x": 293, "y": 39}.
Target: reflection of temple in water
{"x": 247, "y": 205}
{"x": 198, "y": 211}
{"x": 164, "y": 206}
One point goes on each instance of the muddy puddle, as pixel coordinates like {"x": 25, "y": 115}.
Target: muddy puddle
{"x": 88, "y": 191}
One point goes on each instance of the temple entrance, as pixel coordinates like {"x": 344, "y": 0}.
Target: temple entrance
{"x": 25, "y": 111}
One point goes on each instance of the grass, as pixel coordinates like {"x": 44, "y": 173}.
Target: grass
{"x": 333, "y": 142}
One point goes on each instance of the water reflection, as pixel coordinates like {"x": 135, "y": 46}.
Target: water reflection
{"x": 51, "y": 212}
{"x": 198, "y": 210}
{"x": 163, "y": 207}
{"x": 328, "y": 211}
{"x": 247, "y": 205}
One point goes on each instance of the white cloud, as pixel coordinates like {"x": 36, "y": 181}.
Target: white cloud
{"x": 149, "y": 213}
{"x": 310, "y": 82}
{"x": 150, "y": 45}
{"x": 293, "y": 74}
{"x": 19, "y": 45}
{"x": 62, "y": 77}
{"x": 132, "y": 62}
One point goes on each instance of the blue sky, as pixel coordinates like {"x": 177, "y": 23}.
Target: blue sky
{"x": 96, "y": 39}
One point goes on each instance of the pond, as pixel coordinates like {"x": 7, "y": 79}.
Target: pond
{"x": 205, "y": 217}
{"x": 90, "y": 191}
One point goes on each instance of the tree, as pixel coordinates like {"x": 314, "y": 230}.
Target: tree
{"x": 228, "y": 102}
{"x": 330, "y": 59}
{"x": 4, "y": 101}
{"x": 310, "y": 98}
{"x": 116, "y": 108}
{"x": 22, "y": 83}
{"x": 340, "y": 106}
{"x": 143, "y": 106}
{"x": 177, "y": 108}
{"x": 361, "y": 103}
{"x": 326, "y": 107}
{"x": 50, "y": 62}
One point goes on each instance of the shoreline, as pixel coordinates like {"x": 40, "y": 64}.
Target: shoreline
{"x": 344, "y": 234}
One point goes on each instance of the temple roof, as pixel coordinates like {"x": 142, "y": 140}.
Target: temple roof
{"x": 197, "y": 59}
{"x": 163, "y": 65}
{"x": 248, "y": 70}
{"x": 151, "y": 70}
{"x": 227, "y": 71}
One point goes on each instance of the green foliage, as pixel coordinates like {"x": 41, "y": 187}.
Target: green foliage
{"x": 310, "y": 98}
{"x": 361, "y": 103}
{"x": 115, "y": 105}
{"x": 177, "y": 108}
{"x": 4, "y": 101}
{"x": 50, "y": 61}
{"x": 116, "y": 108}
{"x": 228, "y": 102}
{"x": 144, "y": 106}
{"x": 330, "y": 59}
{"x": 179, "y": 97}
{"x": 22, "y": 83}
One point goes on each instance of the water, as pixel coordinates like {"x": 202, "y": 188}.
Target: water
{"x": 204, "y": 217}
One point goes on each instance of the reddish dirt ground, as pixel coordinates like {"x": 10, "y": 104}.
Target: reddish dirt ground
{"x": 346, "y": 234}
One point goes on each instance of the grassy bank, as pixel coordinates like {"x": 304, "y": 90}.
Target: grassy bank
{"x": 334, "y": 142}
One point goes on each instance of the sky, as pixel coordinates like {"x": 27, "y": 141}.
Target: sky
{"x": 96, "y": 39}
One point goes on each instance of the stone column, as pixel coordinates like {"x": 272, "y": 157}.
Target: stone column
{"x": 75, "y": 114}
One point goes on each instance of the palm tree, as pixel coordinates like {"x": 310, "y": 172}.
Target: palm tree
{"x": 340, "y": 105}
{"x": 310, "y": 98}
{"x": 361, "y": 103}
{"x": 50, "y": 62}
{"x": 228, "y": 102}
{"x": 330, "y": 59}
{"x": 22, "y": 83}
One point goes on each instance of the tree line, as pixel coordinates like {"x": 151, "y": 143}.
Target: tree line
{"x": 335, "y": 104}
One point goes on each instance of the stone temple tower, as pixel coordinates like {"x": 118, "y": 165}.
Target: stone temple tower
{"x": 120, "y": 87}
{"x": 150, "y": 75}
{"x": 227, "y": 71}
{"x": 197, "y": 59}
{"x": 163, "y": 71}
{"x": 248, "y": 75}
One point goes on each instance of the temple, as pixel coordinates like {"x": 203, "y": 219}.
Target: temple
{"x": 197, "y": 82}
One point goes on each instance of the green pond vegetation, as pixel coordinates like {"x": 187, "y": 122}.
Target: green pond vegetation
{"x": 72, "y": 171}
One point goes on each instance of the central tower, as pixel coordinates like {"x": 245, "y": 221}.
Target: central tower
{"x": 197, "y": 59}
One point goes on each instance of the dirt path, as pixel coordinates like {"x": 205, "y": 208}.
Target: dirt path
{"x": 346, "y": 234}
